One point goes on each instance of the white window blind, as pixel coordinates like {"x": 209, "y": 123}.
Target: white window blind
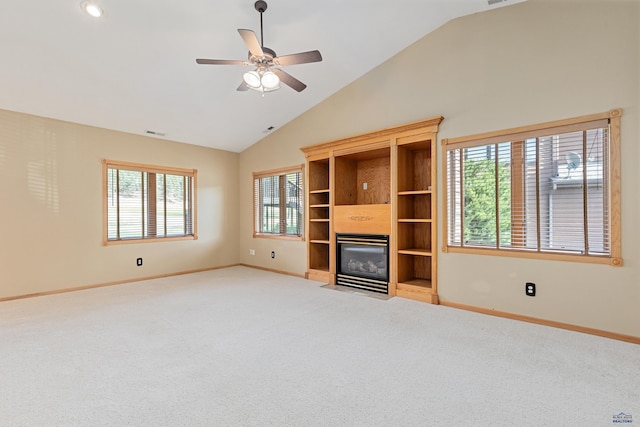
{"x": 278, "y": 202}
{"x": 544, "y": 190}
{"x": 148, "y": 202}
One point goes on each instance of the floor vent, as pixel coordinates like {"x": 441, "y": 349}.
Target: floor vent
{"x": 362, "y": 283}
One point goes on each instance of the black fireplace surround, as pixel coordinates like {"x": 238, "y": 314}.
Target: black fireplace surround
{"x": 363, "y": 261}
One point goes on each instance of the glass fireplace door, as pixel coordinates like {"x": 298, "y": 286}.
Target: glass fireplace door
{"x": 363, "y": 261}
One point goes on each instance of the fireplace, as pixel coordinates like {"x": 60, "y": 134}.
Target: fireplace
{"x": 363, "y": 261}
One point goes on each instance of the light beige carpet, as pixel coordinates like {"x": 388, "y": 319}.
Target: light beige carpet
{"x": 244, "y": 347}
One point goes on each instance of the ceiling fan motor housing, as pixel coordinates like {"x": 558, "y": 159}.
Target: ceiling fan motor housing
{"x": 267, "y": 59}
{"x": 261, "y": 6}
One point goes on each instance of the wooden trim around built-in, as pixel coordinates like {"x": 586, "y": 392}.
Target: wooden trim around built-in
{"x": 393, "y": 238}
{"x": 333, "y": 256}
{"x": 434, "y": 219}
{"x": 117, "y": 282}
{"x": 591, "y": 331}
{"x": 444, "y": 182}
{"x": 430, "y": 125}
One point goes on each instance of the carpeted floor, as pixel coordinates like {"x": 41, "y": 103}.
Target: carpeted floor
{"x": 244, "y": 347}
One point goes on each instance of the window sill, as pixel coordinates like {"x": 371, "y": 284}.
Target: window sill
{"x": 277, "y": 236}
{"x": 514, "y": 253}
{"x": 148, "y": 240}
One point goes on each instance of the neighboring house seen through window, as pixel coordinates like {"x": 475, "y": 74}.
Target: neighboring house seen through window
{"x": 549, "y": 190}
{"x": 278, "y": 203}
{"x": 145, "y": 202}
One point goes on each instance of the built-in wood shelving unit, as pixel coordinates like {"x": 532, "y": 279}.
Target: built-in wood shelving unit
{"x": 386, "y": 180}
{"x": 319, "y": 220}
{"x": 415, "y": 226}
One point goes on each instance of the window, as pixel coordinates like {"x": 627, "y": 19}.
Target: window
{"x": 550, "y": 191}
{"x": 148, "y": 202}
{"x": 278, "y": 203}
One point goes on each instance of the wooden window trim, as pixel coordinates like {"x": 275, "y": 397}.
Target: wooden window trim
{"x": 268, "y": 173}
{"x": 154, "y": 169}
{"x": 610, "y": 119}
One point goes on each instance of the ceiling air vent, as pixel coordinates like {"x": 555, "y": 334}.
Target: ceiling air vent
{"x": 153, "y": 132}
{"x": 492, "y": 2}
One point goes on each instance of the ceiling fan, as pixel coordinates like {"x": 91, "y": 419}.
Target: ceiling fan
{"x": 266, "y": 77}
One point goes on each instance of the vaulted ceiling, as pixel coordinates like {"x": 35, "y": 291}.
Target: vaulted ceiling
{"x": 134, "y": 69}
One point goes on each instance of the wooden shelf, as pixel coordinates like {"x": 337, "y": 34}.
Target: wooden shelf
{"x": 318, "y": 181}
{"x": 417, "y": 283}
{"x": 320, "y": 206}
{"x": 319, "y": 220}
{"x": 415, "y": 251}
{"x": 319, "y": 199}
{"x": 415, "y": 206}
{"x": 414, "y": 220}
{"x": 414, "y": 192}
{"x": 322, "y": 242}
{"x": 319, "y": 256}
{"x": 417, "y": 234}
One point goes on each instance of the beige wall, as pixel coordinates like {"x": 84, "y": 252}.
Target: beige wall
{"x": 271, "y": 153}
{"x": 528, "y": 63}
{"x": 51, "y": 206}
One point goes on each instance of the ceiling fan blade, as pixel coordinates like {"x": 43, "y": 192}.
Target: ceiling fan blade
{"x": 251, "y": 41}
{"x": 221, "y": 61}
{"x": 243, "y": 87}
{"x": 298, "y": 58}
{"x": 289, "y": 80}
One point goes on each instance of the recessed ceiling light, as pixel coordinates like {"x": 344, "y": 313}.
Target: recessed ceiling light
{"x": 92, "y": 9}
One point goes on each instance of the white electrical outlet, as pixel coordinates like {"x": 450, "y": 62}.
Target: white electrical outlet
{"x": 252, "y": 251}
{"x": 364, "y": 186}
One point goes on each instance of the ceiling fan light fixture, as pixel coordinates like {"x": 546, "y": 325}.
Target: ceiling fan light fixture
{"x": 92, "y": 9}
{"x": 264, "y": 60}
{"x": 270, "y": 81}
{"x": 252, "y": 79}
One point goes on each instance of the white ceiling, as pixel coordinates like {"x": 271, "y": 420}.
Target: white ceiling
{"x": 134, "y": 69}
